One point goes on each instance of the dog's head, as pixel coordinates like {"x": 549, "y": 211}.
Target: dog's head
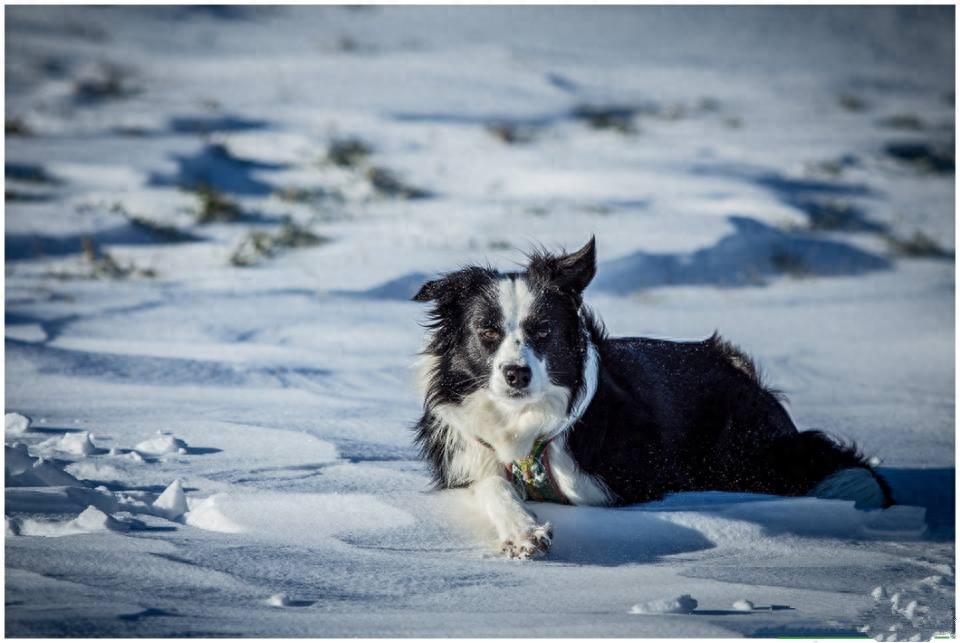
{"x": 517, "y": 335}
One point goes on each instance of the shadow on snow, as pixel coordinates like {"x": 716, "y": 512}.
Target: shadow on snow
{"x": 749, "y": 256}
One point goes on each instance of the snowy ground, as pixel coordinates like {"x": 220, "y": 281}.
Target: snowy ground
{"x": 783, "y": 175}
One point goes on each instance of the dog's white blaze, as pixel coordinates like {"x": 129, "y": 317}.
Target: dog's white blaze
{"x": 516, "y": 303}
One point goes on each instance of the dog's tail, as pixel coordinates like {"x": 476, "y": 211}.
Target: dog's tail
{"x": 813, "y": 463}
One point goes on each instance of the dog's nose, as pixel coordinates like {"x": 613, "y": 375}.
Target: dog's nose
{"x": 517, "y": 376}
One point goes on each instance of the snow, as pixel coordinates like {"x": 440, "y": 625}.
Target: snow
{"x": 279, "y": 600}
{"x": 15, "y": 424}
{"x": 192, "y": 445}
{"x": 172, "y": 502}
{"x": 90, "y": 520}
{"x": 685, "y": 604}
{"x": 79, "y": 443}
{"x": 162, "y": 444}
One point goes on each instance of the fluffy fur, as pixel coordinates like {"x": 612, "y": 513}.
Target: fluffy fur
{"x": 513, "y": 359}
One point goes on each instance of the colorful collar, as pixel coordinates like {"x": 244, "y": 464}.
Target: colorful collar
{"x": 532, "y": 478}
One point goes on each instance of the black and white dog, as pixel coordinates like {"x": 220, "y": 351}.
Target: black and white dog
{"x": 526, "y": 398}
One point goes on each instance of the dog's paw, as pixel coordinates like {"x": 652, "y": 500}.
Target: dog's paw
{"x": 531, "y": 543}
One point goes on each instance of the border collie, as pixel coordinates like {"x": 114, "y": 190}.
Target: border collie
{"x": 526, "y": 398}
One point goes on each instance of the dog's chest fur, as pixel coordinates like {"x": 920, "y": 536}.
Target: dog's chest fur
{"x": 481, "y": 438}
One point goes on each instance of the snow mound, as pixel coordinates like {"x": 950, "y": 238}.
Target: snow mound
{"x": 15, "y": 424}
{"x": 279, "y": 600}
{"x": 80, "y": 444}
{"x": 162, "y": 444}
{"x": 172, "y": 503}
{"x": 298, "y": 517}
{"x": 879, "y": 593}
{"x": 743, "y": 605}
{"x": 22, "y": 470}
{"x": 209, "y": 516}
{"x": 684, "y": 604}
{"x": 91, "y": 520}
{"x": 91, "y": 469}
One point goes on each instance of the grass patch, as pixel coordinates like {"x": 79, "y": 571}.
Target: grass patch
{"x": 903, "y": 122}
{"x": 789, "y": 263}
{"x": 307, "y": 196}
{"x": 348, "y": 152}
{"x": 387, "y": 183}
{"x": 29, "y": 173}
{"x": 918, "y": 246}
{"x": 20, "y": 196}
{"x": 102, "y": 265}
{"x": 106, "y": 82}
{"x": 732, "y": 122}
{"x": 510, "y": 133}
{"x": 215, "y": 207}
{"x": 616, "y": 118}
{"x": 16, "y": 126}
{"x": 837, "y": 215}
{"x": 260, "y": 244}
{"x": 925, "y": 157}
{"x": 852, "y": 103}
{"x": 160, "y": 231}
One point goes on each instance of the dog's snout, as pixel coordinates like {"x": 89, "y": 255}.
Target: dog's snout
{"x": 517, "y": 375}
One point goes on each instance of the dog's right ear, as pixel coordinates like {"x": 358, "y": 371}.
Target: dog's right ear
{"x": 430, "y": 290}
{"x": 453, "y": 285}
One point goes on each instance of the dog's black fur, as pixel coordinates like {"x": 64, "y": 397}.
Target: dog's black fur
{"x": 666, "y": 416}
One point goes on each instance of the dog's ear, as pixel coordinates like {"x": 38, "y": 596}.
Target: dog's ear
{"x": 571, "y": 272}
{"x": 429, "y": 291}
{"x": 453, "y": 285}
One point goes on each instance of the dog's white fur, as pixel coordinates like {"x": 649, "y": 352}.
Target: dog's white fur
{"x": 511, "y": 426}
{"x": 516, "y": 303}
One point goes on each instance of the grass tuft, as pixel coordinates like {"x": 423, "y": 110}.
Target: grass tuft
{"x": 107, "y": 82}
{"x": 510, "y": 133}
{"x": 161, "y": 231}
{"x": 919, "y": 246}
{"x": 260, "y": 244}
{"x": 102, "y": 265}
{"x": 16, "y": 126}
{"x": 387, "y": 183}
{"x": 619, "y": 119}
{"x": 215, "y": 207}
{"x": 348, "y": 152}
{"x": 789, "y": 263}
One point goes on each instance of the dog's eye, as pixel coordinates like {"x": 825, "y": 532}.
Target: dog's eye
{"x": 489, "y": 335}
{"x": 540, "y": 331}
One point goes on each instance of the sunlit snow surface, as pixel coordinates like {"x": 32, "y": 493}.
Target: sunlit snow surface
{"x": 777, "y": 174}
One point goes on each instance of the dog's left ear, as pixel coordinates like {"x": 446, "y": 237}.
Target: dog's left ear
{"x": 570, "y": 272}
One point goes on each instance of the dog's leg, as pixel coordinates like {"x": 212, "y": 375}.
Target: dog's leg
{"x": 520, "y": 535}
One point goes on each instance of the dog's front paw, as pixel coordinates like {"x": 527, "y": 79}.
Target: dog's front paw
{"x": 530, "y": 543}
